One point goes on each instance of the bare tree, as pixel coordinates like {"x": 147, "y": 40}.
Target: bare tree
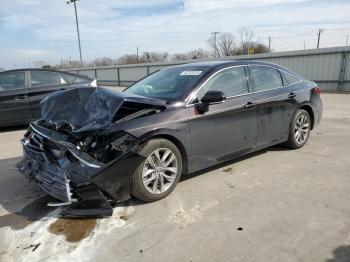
{"x": 213, "y": 45}
{"x": 226, "y": 44}
{"x": 246, "y": 36}
{"x": 68, "y": 64}
{"x": 102, "y": 61}
{"x": 128, "y": 59}
{"x": 151, "y": 57}
{"x": 259, "y": 48}
{"x": 179, "y": 56}
{"x": 194, "y": 54}
{"x": 47, "y": 67}
{"x": 223, "y": 45}
{"x": 198, "y": 54}
{"x": 39, "y": 64}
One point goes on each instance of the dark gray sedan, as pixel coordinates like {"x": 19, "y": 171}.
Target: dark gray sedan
{"x": 21, "y": 91}
{"x": 94, "y": 146}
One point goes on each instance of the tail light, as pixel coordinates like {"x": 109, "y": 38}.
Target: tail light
{"x": 318, "y": 90}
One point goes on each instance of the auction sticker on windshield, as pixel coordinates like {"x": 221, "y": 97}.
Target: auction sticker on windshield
{"x": 191, "y": 73}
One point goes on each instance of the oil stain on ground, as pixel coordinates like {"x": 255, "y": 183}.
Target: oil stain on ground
{"x": 73, "y": 229}
{"x": 34, "y": 211}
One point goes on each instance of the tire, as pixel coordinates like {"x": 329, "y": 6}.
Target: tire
{"x": 299, "y": 131}
{"x": 143, "y": 187}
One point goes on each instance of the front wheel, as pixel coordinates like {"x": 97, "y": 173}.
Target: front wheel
{"x": 300, "y": 129}
{"x": 159, "y": 173}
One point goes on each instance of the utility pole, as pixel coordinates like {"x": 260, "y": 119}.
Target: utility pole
{"x": 319, "y": 37}
{"x": 77, "y": 23}
{"x": 347, "y": 40}
{"x": 137, "y": 54}
{"x": 215, "y": 47}
{"x": 270, "y": 39}
{"x": 304, "y": 45}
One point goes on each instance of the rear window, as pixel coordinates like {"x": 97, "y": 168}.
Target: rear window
{"x": 44, "y": 78}
{"x": 265, "y": 78}
{"x": 290, "y": 79}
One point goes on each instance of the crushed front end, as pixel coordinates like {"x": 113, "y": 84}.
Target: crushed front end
{"x": 84, "y": 172}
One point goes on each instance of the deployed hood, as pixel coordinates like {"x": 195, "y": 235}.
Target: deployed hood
{"x": 92, "y": 108}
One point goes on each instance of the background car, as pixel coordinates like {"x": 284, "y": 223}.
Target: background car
{"x": 22, "y": 90}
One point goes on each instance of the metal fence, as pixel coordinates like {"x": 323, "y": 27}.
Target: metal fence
{"x": 329, "y": 67}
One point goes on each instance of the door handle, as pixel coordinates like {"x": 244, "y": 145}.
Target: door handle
{"x": 20, "y": 97}
{"x": 292, "y": 95}
{"x": 249, "y": 105}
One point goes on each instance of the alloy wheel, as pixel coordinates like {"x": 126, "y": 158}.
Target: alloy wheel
{"x": 301, "y": 129}
{"x": 159, "y": 170}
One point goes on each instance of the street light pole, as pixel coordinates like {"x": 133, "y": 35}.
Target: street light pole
{"x": 77, "y": 23}
{"x": 216, "y": 49}
{"x": 319, "y": 37}
{"x": 270, "y": 39}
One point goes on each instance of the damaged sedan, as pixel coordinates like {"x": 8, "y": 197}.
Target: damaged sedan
{"x": 96, "y": 146}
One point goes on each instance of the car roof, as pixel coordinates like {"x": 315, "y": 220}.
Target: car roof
{"x": 46, "y": 70}
{"x": 215, "y": 65}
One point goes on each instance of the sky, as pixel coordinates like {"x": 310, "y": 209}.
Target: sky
{"x": 42, "y": 30}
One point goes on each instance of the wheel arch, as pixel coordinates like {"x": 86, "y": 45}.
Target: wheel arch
{"x": 308, "y": 108}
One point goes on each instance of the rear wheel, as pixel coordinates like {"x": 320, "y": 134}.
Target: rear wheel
{"x": 300, "y": 129}
{"x": 159, "y": 173}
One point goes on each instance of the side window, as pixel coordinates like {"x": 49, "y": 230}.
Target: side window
{"x": 231, "y": 81}
{"x": 44, "y": 78}
{"x": 290, "y": 79}
{"x": 74, "y": 79}
{"x": 265, "y": 78}
{"x": 12, "y": 80}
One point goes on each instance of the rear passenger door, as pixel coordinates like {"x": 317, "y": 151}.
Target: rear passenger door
{"x": 275, "y": 103}
{"x": 41, "y": 84}
{"x": 14, "y": 105}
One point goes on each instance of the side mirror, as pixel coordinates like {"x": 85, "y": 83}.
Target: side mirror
{"x": 211, "y": 97}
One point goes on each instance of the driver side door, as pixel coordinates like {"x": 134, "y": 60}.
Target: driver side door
{"x": 227, "y": 129}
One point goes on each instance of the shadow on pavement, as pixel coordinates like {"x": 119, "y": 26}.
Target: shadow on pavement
{"x": 25, "y": 204}
{"x": 13, "y": 128}
{"x": 21, "y": 200}
{"x": 233, "y": 161}
{"x": 341, "y": 254}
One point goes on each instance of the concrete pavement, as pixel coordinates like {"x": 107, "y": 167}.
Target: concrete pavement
{"x": 274, "y": 205}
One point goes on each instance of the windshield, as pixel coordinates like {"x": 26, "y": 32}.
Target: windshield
{"x": 169, "y": 84}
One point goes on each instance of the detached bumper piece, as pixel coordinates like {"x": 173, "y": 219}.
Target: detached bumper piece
{"x": 92, "y": 204}
{"x": 84, "y": 185}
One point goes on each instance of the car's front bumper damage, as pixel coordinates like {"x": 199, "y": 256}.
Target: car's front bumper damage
{"x": 81, "y": 183}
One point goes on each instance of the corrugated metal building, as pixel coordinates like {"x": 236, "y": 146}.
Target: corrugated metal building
{"x": 329, "y": 67}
